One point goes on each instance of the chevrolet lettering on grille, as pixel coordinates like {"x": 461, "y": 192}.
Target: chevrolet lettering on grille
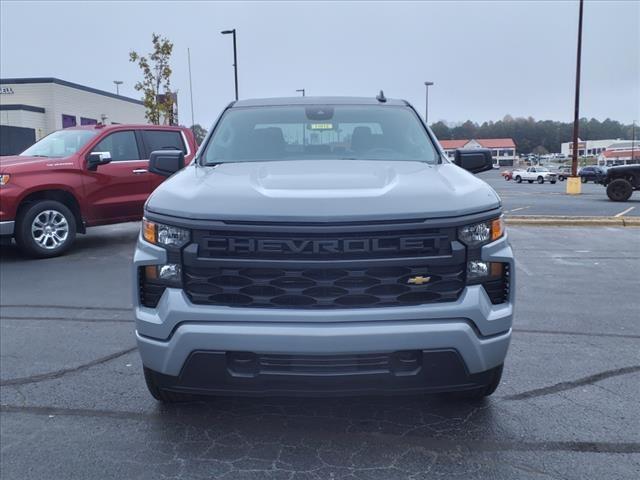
{"x": 234, "y": 245}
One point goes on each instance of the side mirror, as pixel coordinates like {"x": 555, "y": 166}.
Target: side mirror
{"x": 166, "y": 162}
{"x": 97, "y": 158}
{"x": 475, "y": 161}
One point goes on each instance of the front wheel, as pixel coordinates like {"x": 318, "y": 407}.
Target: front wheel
{"x": 45, "y": 229}
{"x": 518, "y": 179}
{"x": 561, "y": 178}
{"x": 584, "y": 179}
{"x": 619, "y": 190}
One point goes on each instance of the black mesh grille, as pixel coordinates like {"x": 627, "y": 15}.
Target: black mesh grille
{"x": 498, "y": 290}
{"x": 317, "y": 288}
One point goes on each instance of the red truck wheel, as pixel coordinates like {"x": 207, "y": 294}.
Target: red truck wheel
{"x": 45, "y": 229}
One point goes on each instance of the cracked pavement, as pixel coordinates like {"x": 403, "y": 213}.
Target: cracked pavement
{"x": 73, "y": 403}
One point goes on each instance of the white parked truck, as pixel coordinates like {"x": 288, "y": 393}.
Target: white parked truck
{"x": 535, "y": 174}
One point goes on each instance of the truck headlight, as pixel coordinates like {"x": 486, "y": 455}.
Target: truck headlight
{"x": 481, "y": 233}
{"x": 164, "y": 235}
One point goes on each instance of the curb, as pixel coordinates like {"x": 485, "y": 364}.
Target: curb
{"x": 567, "y": 221}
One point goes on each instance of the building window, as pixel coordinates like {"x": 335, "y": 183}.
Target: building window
{"x": 88, "y": 121}
{"x": 68, "y": 121}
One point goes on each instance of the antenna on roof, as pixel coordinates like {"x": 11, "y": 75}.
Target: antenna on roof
{"x": 381, "y": 98}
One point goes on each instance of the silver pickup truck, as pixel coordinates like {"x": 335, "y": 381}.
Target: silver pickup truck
{"x": 322, "y": 246}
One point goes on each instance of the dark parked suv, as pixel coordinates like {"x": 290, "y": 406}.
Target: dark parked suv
{"x": 593, "y": 174}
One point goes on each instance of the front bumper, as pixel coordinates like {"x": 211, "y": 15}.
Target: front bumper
{"x": 472, "y": 329}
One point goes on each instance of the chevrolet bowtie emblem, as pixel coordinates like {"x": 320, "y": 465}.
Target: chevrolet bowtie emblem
{"x": 419, "y": 280}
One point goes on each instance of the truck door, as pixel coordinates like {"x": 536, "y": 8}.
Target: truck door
{"x": 117, "y": 191}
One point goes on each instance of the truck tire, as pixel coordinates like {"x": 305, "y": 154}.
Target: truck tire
{"x": 480, "y": 392}
{"x": 518, "y": 179}
{"x": 45, "y": 229}
{"x": 165, "y": 396}
{"x": 561, "y": 178}
{"x": 540, "y": 180}
{"x": 619, "y": 190}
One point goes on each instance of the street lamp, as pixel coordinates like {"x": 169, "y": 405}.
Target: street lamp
{"x": 235, "y": 56}
{"x": 426, "y": 105}
{"x": 301, "y": 90}
{"x": 118, "y": 83}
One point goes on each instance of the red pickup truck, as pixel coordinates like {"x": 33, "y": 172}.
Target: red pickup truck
{"x": 81, "y": 177}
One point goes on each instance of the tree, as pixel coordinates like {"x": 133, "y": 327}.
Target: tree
{"x": 199, "y": 132}
{"x": 540, "y": 150}
{"x": 441, "y": 130}
{"x": 155, "y": 86}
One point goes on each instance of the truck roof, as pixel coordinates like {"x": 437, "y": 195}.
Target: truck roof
{"x": 280, "y": 101}
{"x": 136, "y": 126}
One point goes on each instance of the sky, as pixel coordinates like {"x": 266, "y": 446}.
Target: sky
{"x": 486, "y": 59}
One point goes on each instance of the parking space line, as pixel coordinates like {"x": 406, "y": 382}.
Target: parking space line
{"x": 518, "y": 209}
{"x": 624, "y": 212}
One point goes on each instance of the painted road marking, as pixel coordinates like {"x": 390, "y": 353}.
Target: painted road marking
{"x": 518, "y": 209}
{"x": 624, "y": 211}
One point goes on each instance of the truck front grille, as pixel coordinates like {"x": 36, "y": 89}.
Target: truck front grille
{"x": 318, "y": 288}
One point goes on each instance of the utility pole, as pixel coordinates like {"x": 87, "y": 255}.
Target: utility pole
{"x": 633, "y": 142}
{"x": 573, "y": 182}
{"x": 235, "y": 56}
{"x": 426, "y": 104}
{"x": 190, "y": 87}
{"x": 118, "y": 83}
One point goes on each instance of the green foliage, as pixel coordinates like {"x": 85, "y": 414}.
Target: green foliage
{"x": 156, "y": 82}
{"x": 199, "y": 132}
{"x": 530, "y": 134}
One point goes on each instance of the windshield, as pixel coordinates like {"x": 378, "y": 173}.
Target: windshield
{"x": 542, "y": 169}
{"x": 60, "y": 144}
{"x": 308, "y": 132}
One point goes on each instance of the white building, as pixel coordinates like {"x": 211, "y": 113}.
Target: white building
{"x": 503, "y": 150}
{"x": 586, "y": 148}
{"x": 31, "y": 108}
{"x": 621, "y": 152}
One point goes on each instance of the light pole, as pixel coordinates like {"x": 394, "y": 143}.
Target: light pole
{"x": 118, "y": 83}
{"x": 573, "y": 182}
{"x": 235, "y": 56}
{"x": 301, "y": 90}
{"x": 426, "y": 103}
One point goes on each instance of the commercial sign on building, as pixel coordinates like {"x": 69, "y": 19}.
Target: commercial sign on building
{"x": 6, "y": 90}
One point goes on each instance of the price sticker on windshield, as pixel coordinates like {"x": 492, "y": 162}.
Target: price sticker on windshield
{"x": 321, "y": 126}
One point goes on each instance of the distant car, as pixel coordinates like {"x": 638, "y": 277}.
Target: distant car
{"x": 563, "y": 172}
{"x": 592, "y": 174}
{"x": 621, "y": 181}
{"x": 534, "y": 174}
{"x": 507, "y": 174}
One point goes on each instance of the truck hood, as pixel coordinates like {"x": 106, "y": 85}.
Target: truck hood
{"x": 322, "y": 190}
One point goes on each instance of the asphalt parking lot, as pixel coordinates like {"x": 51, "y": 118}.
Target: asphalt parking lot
{"x": 74, "y": 404}
{"x": 550, "y": 199}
